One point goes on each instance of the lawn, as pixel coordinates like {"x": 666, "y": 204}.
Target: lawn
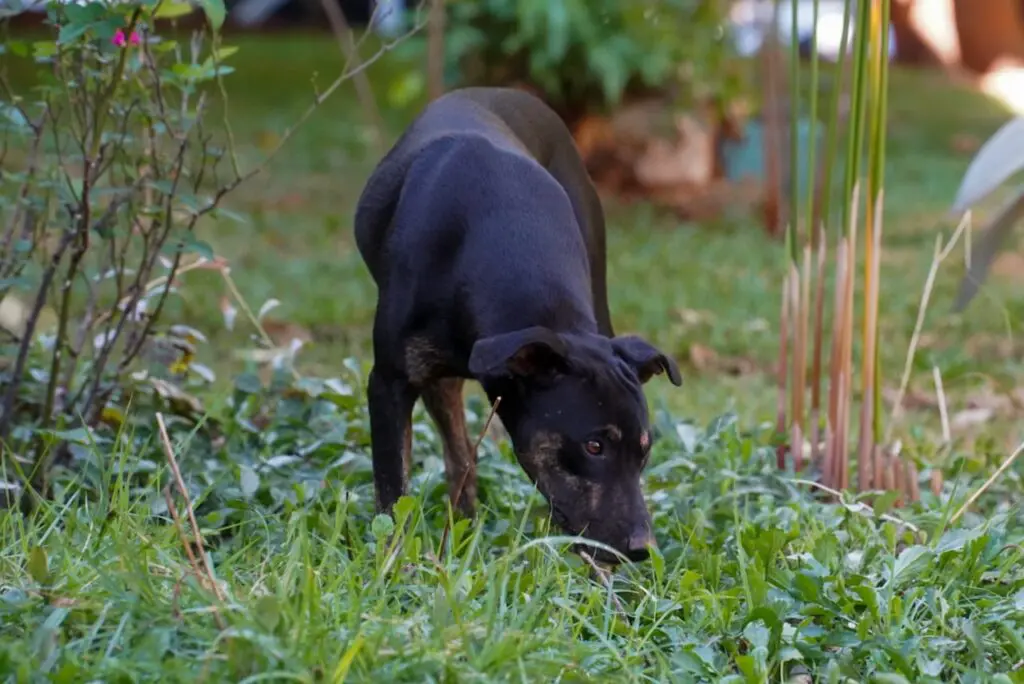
{"x": 757, "y": 578}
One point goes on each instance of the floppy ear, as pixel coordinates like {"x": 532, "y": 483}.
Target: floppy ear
{"x": 527, "y": 352}
{"x": 646, "y": 359}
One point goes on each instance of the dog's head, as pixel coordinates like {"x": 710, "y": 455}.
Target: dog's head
{"x": 575, "y": 409}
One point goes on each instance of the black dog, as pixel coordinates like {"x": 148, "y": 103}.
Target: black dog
{"x": 486, "y": 239}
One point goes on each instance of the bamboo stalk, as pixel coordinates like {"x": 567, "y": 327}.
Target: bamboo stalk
{"x": 819, "y": 328}
{"x": 869, "y": 477}
{"x": 847, "y": 357}
{"x": 780, "y": 418}
{"x": 796, "y": 320}
{"x": 801, "y": 356}
{"x": 899, "y": 478}
{"x": 832, "y": 423}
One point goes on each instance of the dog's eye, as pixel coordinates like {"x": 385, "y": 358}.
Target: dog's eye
{"x": 594, "y": 447}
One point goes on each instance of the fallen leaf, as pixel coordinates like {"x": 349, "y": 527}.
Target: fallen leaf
{"x": 913, "y": 399}
{"x": 703, "y": 358}
{"x": 283, "y": 332}
{"x": 969, "y": 418}
{"x": 693, "y": 316}
{"x": 687, "y": 160}
{"x": 998, "y": 403}
{"x": 267, "y": 140}
{"x": 1010, "y": 266}
{"x": 965, "y": 143}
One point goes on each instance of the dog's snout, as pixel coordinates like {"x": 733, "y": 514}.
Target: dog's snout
{"x": 639, "y": 544}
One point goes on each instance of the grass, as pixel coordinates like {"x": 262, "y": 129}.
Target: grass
{"x": 756, "y": 578}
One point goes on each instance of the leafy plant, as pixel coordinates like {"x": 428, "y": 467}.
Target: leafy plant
{"x": 110, "y": 166}
{"x": 583, "y": 55}
{"x": 754, "y": 580}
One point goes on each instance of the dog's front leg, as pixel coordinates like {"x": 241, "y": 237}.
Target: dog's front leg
{"x": 391, "y": 398}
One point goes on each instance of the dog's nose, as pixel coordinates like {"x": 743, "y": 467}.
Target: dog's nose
{"x": 639, "y": 544}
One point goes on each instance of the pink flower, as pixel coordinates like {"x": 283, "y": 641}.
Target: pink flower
{"x": 120, "y": 41}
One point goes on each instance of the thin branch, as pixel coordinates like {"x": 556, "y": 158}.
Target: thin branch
{"x": 318, "y": 99}
{"x": 940, "y": 255}
{"x": 988, "y": 483}
{"x": 462, "y": 481}
{"x": 343, "y": 34}
{"x": 165, "y": 441}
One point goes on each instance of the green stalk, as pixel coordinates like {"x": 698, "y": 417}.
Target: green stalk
{"x": 857, "y": 108}
{"x": 878, "y": 173}
{"x": 812, "y": 230}
{"x": 831, "y": 134}
{"x": 794, "y": 136}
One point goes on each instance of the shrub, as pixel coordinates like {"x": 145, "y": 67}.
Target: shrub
{"x": 587, "y": 55}
{"x": 110, "y": 165}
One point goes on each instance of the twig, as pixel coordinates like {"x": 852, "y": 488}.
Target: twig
{"x": 7, "y": 403}
{"x": 318, "y": 99}
{"x": 191, "y": 556}
{"x": 165, "y": 440}
{"x": 605, "y": 577}
{"x": 462, "y": 481}
{"x": 181, "y": 530}
{"x": 247, "y": 310}
{"x": 988, "y": 483}
{"x": 343, "y": 34}
{"x": 947, "y": 436}
{"x": 940, "y": 255}
{"x": 858, "y": 505}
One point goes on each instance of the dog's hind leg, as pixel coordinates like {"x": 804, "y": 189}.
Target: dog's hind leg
{"x": 443, "y": 399}
{"x": 390, "y": 399}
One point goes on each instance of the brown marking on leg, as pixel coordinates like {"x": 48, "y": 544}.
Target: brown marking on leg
{"x": 422, "y": 360}
{"x": 407, "y": 454}
{"x": 443, "y": 399}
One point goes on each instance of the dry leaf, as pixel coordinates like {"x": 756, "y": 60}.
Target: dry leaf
{"x": 687, "y": 160}
{"x": 703, "y": 358}
{"x": 693, "y": 316}
{"x": 969, "y": 418}
{"x": 965, "y": 143}
{"x": 706, "y": 359}
{"x": 283, "y": 332}
{"x": 913, "y": 399}
{"x": 13, "y": 314}
{"x": 1010, "y": 266}
{"x": 229, "y": 311}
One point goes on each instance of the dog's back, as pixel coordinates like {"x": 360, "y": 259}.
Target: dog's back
{"x": 510, "y": 120}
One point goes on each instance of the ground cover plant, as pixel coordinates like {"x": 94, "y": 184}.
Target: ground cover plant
{"x": 286, "y": 574}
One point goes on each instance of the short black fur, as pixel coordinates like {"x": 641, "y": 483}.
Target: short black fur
{"x": 486, "y": 239}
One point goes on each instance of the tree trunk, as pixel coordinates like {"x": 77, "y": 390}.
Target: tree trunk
{"x": 990, "y": 31}
{"x": 435, "y": 50}
{"x": 974, "y": 35}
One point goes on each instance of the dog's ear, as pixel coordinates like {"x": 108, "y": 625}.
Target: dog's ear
{"x": 645, "y": 358}
{"x": 528, "y": 352}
